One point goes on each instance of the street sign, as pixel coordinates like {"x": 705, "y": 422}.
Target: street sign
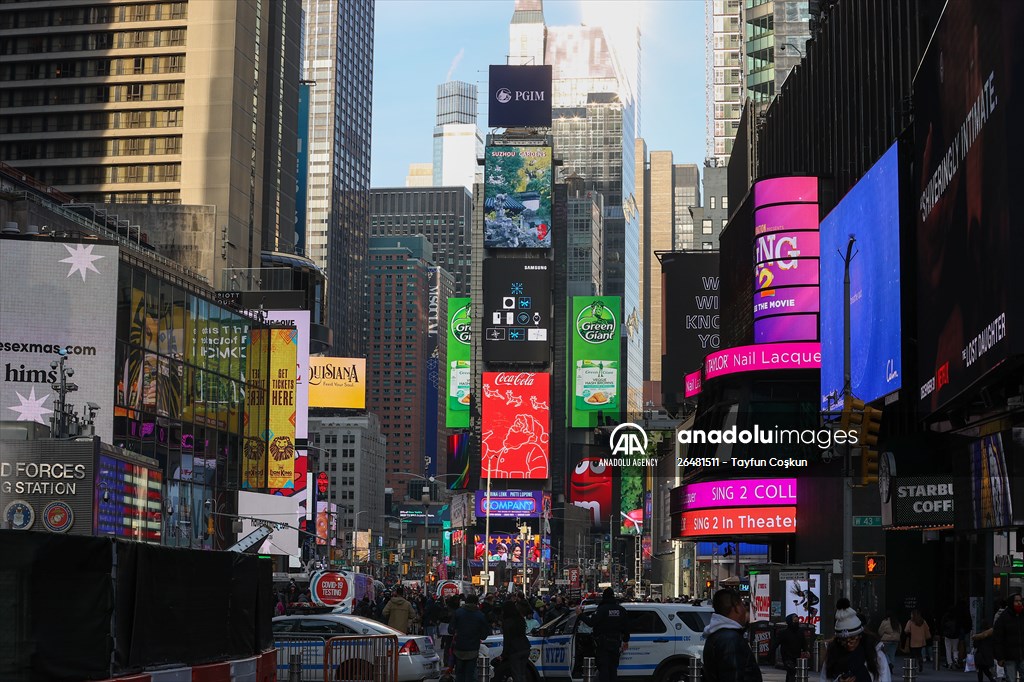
{"x": 867, "y": 521}
{"x": 792, "y": 575}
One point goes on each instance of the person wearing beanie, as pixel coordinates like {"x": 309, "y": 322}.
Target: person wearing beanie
{"x": 611, "y": 634}
{"x": 792, "y": 645}
{"x": 727, "y": 656}
{"x": 853, "y": 655}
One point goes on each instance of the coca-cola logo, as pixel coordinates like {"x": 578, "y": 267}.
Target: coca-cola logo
{"x": 514, "y": 379}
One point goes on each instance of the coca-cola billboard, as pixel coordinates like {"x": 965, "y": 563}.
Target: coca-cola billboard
{"x": 516, "y": 425}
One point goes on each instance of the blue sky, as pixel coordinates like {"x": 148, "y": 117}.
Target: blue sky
{"x": 421, "y": 43}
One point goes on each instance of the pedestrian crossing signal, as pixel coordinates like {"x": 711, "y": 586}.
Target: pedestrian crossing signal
{"x": 874, "y": 564}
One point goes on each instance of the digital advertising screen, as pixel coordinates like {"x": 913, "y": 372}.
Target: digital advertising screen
{"x": 735, "y": 493}
{"x": 129, "y": 500}
{"x": 517, "y": 310}
{"x": 766, "y": 357}
{"x": 458, "y": 461}
{"x": 300, "y": 320}
{"x": 786, "y": 252}
{"x": 690, "y": 286}
{"x": 595, "y": 373}
{"x": 870, "y": 212}
{"x": 458, "y": 363}
{"x": 337, "y": 382}
{"x": 257, "y": 405}
{"x": 514, "y": 442}
{"x": 281, "y": 396}
{"x": 591, "y": 483}
{"x": 967, "y": 107}
{"x": 734, "y": 521}
{"x": 519, "y": 96}
{"x": 508, "y": 547}
{"x": 517, "y": 197}
{"x": 56, "y": 295}
{"x": 510, "y": 504}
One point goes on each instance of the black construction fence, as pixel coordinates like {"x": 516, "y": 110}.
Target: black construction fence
{"x": 86, "y": 608}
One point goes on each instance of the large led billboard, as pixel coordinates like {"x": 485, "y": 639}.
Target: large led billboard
{"x": 514, "y": 442}
{"x": 967, "y": 137}
{"x": 300, "y": 320}
{"x": 458, "y": 461}
{"x": 519, "y": 96}
{"x": 337, "y": 382}
{"x": 56, "y": 295}
{"x": 870, "y": 212}
{"x": 262, "y": 507}
{"x": 765, "y": 357}
{"x": 510, "y": 504}
{"x": 595, "y": 372}
{"x": 517, "y": 310}
{"x": 591, "y": 483}
{"x": 280, "y": 436}
{"x": 257, "y": 402}
{"x": 690, "y": 320}
{"x": 457, "y": 363}
{"x": 517, "y": 197}
{"x": 786, "y": 250}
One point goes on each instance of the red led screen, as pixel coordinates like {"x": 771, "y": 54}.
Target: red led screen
{"x": 517, "y": 419}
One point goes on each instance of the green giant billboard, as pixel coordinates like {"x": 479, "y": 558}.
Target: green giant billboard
{"x": 457, "y": 361}
{"x": 595, "y": 372}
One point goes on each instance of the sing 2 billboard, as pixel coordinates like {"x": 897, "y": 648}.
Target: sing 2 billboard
{"x": 870, "y": 213}
{"x": 517, "y": 197}
{"x": 786, "y": 251}
{"x": 595, "y": 374}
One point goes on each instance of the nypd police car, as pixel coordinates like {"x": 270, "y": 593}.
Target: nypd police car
{"x": 663, "y": 639}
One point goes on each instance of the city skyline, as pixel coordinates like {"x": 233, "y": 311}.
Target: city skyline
{"x": 406, "y": 75}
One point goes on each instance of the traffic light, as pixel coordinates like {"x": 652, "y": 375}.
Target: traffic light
{"x": 707, "y": 584}
{"x": 868, "y": 466}
{"x": 867, "y": 422}
{"x": 874, "y": 565}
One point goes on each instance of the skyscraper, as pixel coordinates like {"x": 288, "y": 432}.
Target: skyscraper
{"x": 442, "y": 214}
{"x": 595, "y": 125}
{"x": 723, "y": 58}
{"x": 401, "y": 278}
{"x": 775, "y": 37}
{"x": 457, "y": 139}
{"x": 181, "y": 103}
{"x": 339, "y": 59}
{"x": 664, "y": 193}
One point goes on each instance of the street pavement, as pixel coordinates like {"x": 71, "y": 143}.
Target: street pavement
{"x": 930, "y": 674}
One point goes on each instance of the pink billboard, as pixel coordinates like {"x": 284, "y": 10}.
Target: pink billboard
{"x": 769, "y": 356}
{"x": 797, "y": 189}
{"x": 738, "y": 493}
{"x": 786, "y": 253}
{"x": 692, "y": 384}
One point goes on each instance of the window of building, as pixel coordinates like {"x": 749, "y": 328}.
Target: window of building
{"x": 725, "y": 202}
{"x": 712, "y": 203}
{"x": 705, "y": 226}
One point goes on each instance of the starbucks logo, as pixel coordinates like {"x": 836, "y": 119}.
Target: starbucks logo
{"x": 461, "y": 324}
{"x": 596, "y": 323}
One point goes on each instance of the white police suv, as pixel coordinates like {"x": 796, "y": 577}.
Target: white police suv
{"x": 663, "y": 639}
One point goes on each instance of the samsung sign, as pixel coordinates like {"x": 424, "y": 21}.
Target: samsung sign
{"x": 519, "y": 96}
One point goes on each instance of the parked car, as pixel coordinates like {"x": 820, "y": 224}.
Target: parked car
{"x": 417, "y": 658}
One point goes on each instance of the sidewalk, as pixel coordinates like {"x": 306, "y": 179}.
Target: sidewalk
{"x": 930, "y": 674}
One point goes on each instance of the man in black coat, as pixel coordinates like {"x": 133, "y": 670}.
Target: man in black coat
{"x": 727, "y": 656}
{"x": 1008, "y": 639}
{"x": 611, "y": 634}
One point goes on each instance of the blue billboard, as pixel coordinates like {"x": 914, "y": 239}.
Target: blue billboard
{"x": 869, "y": 212}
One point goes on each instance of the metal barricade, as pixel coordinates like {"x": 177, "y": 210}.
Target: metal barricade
{"x": 299, "y": 658}
{"x": 935, "y": 652}
{"x": 589, "y": 669}
{"x": 483, "y": 669}
{"x": 696, "y": 671}
{"x": 361, "y": 658}
{"x": 801, "y": 670}
{"x": 910, "y": 669}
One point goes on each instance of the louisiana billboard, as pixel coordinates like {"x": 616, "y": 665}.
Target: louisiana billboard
{"x": 337, "y": 382}
{"x": 517, "y": 197}
{"x": 457, "y": 363}
{"x": 786, "y": 250}
{"x": 514, "y": 441}
{"x": 519, "y": 96}
{"x": 57, "y": 296}
{"x": 595, "y": 372}
{"x": 517, "y": 310}
{"x": 967, "y": 108}
{"x": 870, "y": 212}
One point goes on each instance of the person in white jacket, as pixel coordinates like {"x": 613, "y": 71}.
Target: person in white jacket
{"x": 853, "y": 655}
